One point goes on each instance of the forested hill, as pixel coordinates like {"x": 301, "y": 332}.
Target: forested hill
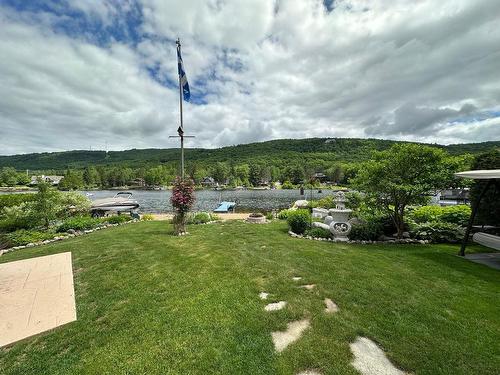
{"x": 277, "y": 152}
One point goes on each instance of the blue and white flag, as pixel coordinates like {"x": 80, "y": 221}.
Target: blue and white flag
{"x": 182, "y": 74}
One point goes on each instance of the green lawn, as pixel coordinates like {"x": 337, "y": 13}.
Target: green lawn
{"x": 152, "y": 303}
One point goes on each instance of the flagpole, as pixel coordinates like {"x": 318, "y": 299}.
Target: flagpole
{"x": 180, "y": 111}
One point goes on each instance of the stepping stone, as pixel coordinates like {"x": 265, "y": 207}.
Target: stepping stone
{"x": 263, "y": 295}
{"x": 296, "y": 278}
{"x": 275, "y": 306}
{"x": 331, "y": 306}
{"x": 309, "y": 372}
{"x": 369, "y": 359}
{"x": 308, "y": 286}
{"x": 293, "y": 332}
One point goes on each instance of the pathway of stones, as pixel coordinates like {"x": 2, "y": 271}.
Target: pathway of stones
{"x": 369, "y": 359}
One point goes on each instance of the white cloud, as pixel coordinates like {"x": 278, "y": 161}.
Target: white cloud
{"x": 261, "y": 69}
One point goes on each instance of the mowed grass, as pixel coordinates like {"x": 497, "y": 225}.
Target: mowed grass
{"x": 152, "y": 303}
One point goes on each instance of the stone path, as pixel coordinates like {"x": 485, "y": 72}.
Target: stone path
{"x": 331, "y": 306}
{"x": 35, "y": 295}
{"x": 294, "y": 330}
{"x": 275, "y": 306}
{"x": 369, "y": 359}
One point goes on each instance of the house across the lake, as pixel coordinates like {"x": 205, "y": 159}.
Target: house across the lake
{"x": 208, "y": 182}
{"x": 53, "y": 180}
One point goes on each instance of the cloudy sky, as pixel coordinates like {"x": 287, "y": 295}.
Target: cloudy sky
{"x": 80, "y": 74}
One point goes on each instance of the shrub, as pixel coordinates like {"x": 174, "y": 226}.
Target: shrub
{"x": 199, "y": 218}
{"x": 118, "y": 219}
{"x": 299, "y": 220}
{"x": 10, "y": 200}
{"x": 182, "y": 200}
{"x": 214, "y": 217}
{"x": 451, "y": 214}
{"x": 366, "y": 231}
{"x": 17, "y": 217}
{"x": 438, "y": 232}
{"x": 78, "y": 223}
{"x": 283, "y": 214}
{"x": 269, "y": 216}
{"x": 318, "y": 232}
{"x": 287, "y": 185}
{"x": 23, "y": 237}
{"x": 326, "y": 202}
{"x": 73, "y": 203}
{"x": 147, "y": 217}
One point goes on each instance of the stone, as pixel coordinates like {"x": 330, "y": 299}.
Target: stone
{"x": 308, "y": 286}
{"x": 275, "y": 306}
{"x": 406, "y": 235}
{"x": 331, "y": 307}
{"x": 71, "y": 231}
{"x": 263, "y": 295}
{"x": 294, "y": 331}
{"x": 309, "y": 372}
{"x": 369, "y": 359}
{"x": 296, "y": 278}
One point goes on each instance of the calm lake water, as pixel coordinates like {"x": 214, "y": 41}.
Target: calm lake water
{"x": 207, "y": 200}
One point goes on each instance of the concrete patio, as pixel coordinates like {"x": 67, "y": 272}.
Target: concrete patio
{"x": 36, "y": 295}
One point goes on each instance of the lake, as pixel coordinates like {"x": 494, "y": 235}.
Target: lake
{"x": 207, "y": 200}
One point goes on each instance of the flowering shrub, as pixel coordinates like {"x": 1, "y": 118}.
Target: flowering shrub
{"x": 182, "y": 200}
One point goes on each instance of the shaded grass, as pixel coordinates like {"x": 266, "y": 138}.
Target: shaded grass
{"x": 152, "y": 303}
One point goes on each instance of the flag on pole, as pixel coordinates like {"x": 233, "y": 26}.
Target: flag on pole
{"x": 182, "y": 74}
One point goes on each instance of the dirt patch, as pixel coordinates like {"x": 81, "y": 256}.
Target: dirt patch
{"x": 275, "y": 306}
{"x": 369, "y": 359}
{"x": 293, "y": 332}
{"x": 331, "y": 307}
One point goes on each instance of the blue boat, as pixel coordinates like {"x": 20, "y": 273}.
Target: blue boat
{"x": 225, "y": 207}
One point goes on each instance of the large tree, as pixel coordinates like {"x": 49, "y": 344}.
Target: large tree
{"x": 406, "y": 174}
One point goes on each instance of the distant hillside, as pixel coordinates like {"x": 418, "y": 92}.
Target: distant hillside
{"x": 279, "y": 152}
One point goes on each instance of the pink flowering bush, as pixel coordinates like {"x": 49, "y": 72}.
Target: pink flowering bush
{"x": 182, "y": 200}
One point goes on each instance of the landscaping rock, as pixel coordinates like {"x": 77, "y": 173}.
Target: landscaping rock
{"x": 296, "y": 278}
{"x": 263, "y": 295}
{"x": 309, "y": 372}
{"x": 406, "y": 235}
{"x": 275, "y": 306}
{"x": 331, "y": 307}
{"x": 369, "y": 359}
{"x": 308, "y": 286}
{"x": 293, "y": 332}
{"x": 71, "y": 231}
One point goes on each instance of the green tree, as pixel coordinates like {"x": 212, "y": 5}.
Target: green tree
{"x": 91, "y": 177}
{"x": 220, "y": 172}
{"x": 46, "y": 204}
{"x": 242, "y": 172}
{"x": 72, "y": 180}
{"x": 8, "y": 176}
{"x": 404, "y": 175}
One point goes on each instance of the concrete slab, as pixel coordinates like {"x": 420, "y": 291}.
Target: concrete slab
{"x": 35, "y": 295}
{"x": 488, "y": 259}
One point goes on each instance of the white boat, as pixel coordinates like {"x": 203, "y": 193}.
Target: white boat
{"x": 121, "y": 202}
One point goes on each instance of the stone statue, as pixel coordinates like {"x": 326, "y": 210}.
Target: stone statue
{"x": 336, "y": 220}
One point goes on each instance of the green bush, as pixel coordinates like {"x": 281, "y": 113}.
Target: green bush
{"x": 318, "y": 232}
{"x": 299, "y": 220}
{"x": 10, "y": 200}
{"x": 438, "y": 232}
{"x": 450, "y": 214}
{"x": 23, "y": 237}
{"x": 283, "y": 214}
{"x": 147, "y": 217}
{"x": 326, "y": 202}
{"x": 366, "y": 231}
{"x": 117, "y": 219}
{"x": 199, "y": 218}
{"x": 287, "y": 185}
{"x": 78, "y": 223}
{"x": 269, "y": 216}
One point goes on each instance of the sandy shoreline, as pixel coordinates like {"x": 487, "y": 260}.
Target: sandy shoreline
{"x": 229, "y": 216}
